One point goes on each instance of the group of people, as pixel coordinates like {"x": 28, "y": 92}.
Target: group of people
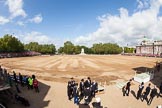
{"x": 85, "y": 89}
{"x": 29, "y": 81}
{"x": 143, "y": 95}
{"x": 152, "y": 91}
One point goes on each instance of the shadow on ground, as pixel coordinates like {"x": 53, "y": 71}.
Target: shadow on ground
{"x": 36, "y": 100}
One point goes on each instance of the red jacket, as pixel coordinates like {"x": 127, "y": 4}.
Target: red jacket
{"x": 35, "y": 83}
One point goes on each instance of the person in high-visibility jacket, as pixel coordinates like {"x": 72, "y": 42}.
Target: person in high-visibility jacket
{"x": 30, "y": 80}
{"x": 35, "y": 85}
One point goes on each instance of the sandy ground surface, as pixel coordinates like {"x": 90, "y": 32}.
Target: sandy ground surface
{"x": 54, "y": 71}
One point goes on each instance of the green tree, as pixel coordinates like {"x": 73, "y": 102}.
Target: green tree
{"x": 129, "y": 50}
{"x": 8, "y": 43}
{"x": 106, "y": 48}
{"x": 44, "y": 49}
{"x": 69, "y": 48}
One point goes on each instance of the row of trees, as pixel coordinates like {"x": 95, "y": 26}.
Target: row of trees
{"x": 129, "y": 50}
{"x": 8, "y": 43}
{"x": 44, "y": 49}
{"x": 70, "y": 48}
{"x": 106, "y": 48}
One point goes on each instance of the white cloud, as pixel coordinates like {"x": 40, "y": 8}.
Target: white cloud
{"x": 37, "y": 19}
{"x": 127, "y": 29}
{"x": 36, "y": 37}
{"x": 41, "y": 38}
{"x": 3, "y": 20}
{"x": 20, "y": 23}
{"x": 16, "y": 8}
{"x": 142, "y": 4}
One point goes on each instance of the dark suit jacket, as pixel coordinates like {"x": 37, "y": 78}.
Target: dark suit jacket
{"x": 94, "y": 86}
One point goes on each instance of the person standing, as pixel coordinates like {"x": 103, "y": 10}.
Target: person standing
{"x": 72, "y": 86}
{"x": 158, "y": 66}
{"x": 27, "y": 82}
{"x": 152, "y": 95}
{"x": 9, "y": 79}
{"x": 128, "y": 87}
{"x": 146, "y": 93}
{"x": 35, "y": 85}
{"x": 69, "y": 93}
{"x": 76, "y": 94}
{"x": 87, "y": 93}
{"x": 5, "y": 75}
{"x": 30, "y": 80}
{"x": 94, "y": 88}
{"x": 14, "y": 75}
{"x": 160, "y": 90}
{"x": 81, "y": 87}
{"x": 124, "y": 90}
{"x": 21, "y": 79}
{"x": 141, "y": 86}
{"x": 88, "y": 82}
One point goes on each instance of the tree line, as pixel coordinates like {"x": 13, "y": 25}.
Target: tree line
{"x": 99, "y": 48}
{"x": 9, "y": 43}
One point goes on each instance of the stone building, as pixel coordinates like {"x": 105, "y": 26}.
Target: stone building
{"x": 148, "y": 47}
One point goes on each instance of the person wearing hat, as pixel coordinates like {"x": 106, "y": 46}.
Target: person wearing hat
{"x": 152, "y": 95}
{"x": 141, "y": 86}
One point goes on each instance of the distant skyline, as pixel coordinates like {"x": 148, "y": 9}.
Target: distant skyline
{"x": 83, "y": 22}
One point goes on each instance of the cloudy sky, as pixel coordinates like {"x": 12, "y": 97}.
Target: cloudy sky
{"x": 82, "y": 22}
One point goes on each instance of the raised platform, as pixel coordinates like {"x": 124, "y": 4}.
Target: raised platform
{"x": 144, "y": 77}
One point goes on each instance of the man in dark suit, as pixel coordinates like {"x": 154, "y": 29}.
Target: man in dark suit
{"x": 87, "y": 93}
{"x": 141, "y": 86}
{"x": 146, "y": 93}
{"x": 81, "y": 86}
{"x": 128, "y": 87}
{"x": 94, "y": 88}
{"x": 70, "y": 86}
{"x": 152, "y": 95}
{"x": 88, "y": 82}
